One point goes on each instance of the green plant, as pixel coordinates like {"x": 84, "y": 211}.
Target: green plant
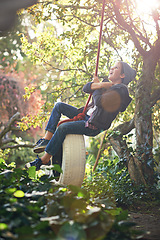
{"x": 32, "y": 207}
{"x": 21, "y": 156}
{"x": 112, "y": 171}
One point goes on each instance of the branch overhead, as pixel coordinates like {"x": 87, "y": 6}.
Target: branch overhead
{"x": 129, "y": 28}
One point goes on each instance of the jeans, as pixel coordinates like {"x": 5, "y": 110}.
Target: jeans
{"x": 59, "y": 134}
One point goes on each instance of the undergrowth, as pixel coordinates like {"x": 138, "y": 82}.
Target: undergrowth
{"x": 116, "y": 176}
{"x": 32, "y": 207}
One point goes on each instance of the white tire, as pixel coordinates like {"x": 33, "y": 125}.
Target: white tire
{"x": 73, "y": 160}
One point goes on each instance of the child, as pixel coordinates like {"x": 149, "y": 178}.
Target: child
{"x": 109, "y": 98}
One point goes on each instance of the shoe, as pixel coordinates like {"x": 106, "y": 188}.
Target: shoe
{"x": 37, "y": 163}
{"x": 40, "y": 145}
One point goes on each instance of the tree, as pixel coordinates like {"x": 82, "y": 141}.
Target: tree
{"x": 16, "y": 103}
{"x": 75, "y": 47}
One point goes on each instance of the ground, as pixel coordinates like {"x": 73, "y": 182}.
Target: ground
{"x": 147, "y": 219}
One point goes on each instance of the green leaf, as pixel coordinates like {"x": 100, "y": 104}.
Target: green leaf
{"x": 10, "y": 190}
{"x": 114, "y": 212}
{"x": 123, "y": 215}
{"x": 57, "y": 168}
{"x": 3, "y": 226}
{"x": 32, "y": 172}
{"x": 19, "y": 194}
{"x": 2, "y": 160}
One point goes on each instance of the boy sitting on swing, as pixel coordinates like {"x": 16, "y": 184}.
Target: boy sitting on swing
{"x": 109, "y": 98}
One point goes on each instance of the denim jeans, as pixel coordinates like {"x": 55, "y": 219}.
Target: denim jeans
{"x": 59, "y": 134}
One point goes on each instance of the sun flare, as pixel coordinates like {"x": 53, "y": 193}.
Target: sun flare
{"x": 147, "y": 5}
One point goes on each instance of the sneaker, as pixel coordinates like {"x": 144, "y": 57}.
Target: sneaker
{"x": 40, "y": 145}
{"x": 37, "y": 163}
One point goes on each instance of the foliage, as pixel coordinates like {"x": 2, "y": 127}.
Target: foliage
{"x": 11, "y": 98}
{"x": 10, "y": 45}
{"x": 4, "y": 155}
{"x": 112, "y": 172}
{"x": 34, "y": 208}
{"x": 14, "y": 100}
{"x": 20, "y": 156}
{"x": 16, "y": 74}
{"x": 65, "y": 48}
{"x": 129, "y": 34}
{"x": 12, "y": 86}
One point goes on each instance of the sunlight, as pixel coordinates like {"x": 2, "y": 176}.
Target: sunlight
{"x": 145, "y": 6}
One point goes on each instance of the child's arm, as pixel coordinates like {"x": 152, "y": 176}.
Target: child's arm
{"x": 96, "y": 84}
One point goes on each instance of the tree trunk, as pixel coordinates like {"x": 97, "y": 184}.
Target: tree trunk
{"x": 140, "y": 165}
{"x": 143, "y": 122}
{"x": 132, "y": 164}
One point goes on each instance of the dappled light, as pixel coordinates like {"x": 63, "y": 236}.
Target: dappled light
{"x": 48, "y": 58}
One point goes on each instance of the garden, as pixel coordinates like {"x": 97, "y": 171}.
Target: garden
{"x": 48, "y": 53}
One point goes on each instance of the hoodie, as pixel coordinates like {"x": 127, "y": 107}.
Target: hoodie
{"x": 101, "y": 118}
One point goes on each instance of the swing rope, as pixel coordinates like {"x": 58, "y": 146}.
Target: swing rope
{"x": 81, "y": 116}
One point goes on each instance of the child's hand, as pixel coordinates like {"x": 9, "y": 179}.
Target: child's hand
{"x": 96, "y": 79}
{"x": 98, "y": 85}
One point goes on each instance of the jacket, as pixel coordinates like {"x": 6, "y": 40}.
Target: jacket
{"x": 101, "y": 118}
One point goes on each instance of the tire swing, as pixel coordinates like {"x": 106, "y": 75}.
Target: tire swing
{"x": 72, "y": 156}
{"x": 74, "y": 160}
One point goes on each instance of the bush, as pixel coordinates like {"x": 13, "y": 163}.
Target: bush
{"x": 21, "y": 156}
{"x": 115, "y": 175}
{"x": 32, "y": 207}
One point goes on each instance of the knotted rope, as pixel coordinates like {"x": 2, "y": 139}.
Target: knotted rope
{"x": 81, "y": 116}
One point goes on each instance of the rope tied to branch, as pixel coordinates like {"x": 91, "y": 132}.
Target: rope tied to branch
{"x": 81, "y": 116}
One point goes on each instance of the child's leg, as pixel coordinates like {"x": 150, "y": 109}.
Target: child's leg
{"x": 60, "y": 108}
{"x": 46, "y": 158}
{"x": 53, "y": 146}
{"x": 76, "y": 127}
{"x": 48, "y": 135}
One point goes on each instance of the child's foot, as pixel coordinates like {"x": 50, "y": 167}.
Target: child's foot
{"x": 40, "y": 145}
{"x": 37, "y": 163}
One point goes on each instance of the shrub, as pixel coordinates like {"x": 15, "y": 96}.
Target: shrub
{"x": 32, "y": 207}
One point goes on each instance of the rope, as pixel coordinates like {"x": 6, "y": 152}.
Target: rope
{"x": 100, "y": 37}
{"x": 81, "y": 116}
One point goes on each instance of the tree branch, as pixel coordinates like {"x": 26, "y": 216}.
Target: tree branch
{"x": 120, "y": 146}
{"x": 155, "y": 52}
{"x": 8, "y": 127}
{"x": 155, "y": 16}
{"x": 109, "y": 41}
{"x": 17, "y": 146}
{"x": 79, "y": 7}
{"x": 128, "y": 27}
{"x": 63, "y": 70}
{"x": 144, "y": 39}
{"x": 125, "y": 128}
{"x": 8, "y": 140}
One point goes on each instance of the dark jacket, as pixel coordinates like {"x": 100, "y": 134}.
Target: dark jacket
{"x": 100, "y": 117}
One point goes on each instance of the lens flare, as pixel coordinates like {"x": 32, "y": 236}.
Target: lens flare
{"x": 146, "y": 6}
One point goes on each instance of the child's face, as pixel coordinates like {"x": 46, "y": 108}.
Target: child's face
{"x": 115, "y": 73}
